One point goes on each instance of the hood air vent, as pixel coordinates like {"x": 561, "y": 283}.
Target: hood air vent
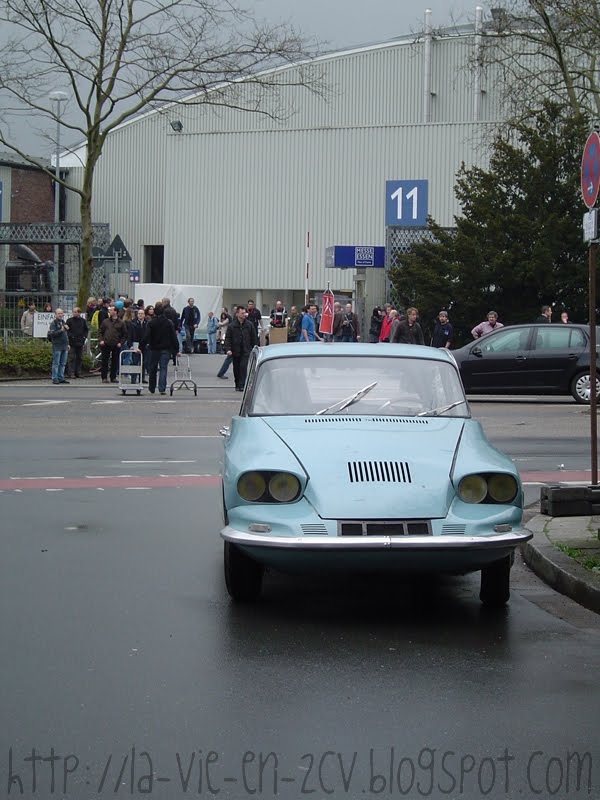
{"x": 337, "y": 418}
{"x": 379, "y": 472}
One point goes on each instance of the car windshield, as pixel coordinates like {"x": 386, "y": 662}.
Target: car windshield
{"x": 357, "y": 385}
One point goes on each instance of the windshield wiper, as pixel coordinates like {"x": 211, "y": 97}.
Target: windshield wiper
{"x": 348, "y": 401}
{"x": 435, "y": 412}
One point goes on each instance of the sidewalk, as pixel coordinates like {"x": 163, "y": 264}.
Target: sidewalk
{"x": 204, "y": 372}
{"x": 559, "y": 547}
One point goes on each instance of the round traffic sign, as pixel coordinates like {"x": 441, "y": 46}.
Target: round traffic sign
{"x": 590, "y": 170}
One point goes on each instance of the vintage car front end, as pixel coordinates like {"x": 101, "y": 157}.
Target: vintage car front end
{"x": 370, "y": 494}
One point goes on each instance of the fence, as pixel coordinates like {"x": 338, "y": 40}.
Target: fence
{"x": 14, "y": 304}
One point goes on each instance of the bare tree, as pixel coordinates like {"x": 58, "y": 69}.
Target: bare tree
{"x": 542, "y": 50}
{"x": 117, "y": 58}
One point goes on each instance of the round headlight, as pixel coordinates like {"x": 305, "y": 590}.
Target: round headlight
{"x": 284, "y": 487}
{"x": 251, "y": 486}
{"x": 502, "y": 488}
{"x": 472, "y": 489}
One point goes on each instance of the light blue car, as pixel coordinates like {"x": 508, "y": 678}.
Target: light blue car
{"x": 363, "y": 458}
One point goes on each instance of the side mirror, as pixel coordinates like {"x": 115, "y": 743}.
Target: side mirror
{"x": 476, "y": 351}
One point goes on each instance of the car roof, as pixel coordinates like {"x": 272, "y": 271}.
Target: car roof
{"x": 324, "y": 349}
{"x": 542, "y": 325}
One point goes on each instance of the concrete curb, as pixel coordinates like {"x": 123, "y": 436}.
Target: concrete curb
{"x": 559, "y": 570}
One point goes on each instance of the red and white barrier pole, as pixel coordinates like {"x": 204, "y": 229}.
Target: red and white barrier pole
{"x": 307, "y": 268}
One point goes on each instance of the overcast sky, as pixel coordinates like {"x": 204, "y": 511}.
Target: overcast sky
{"x": 345, "y": 23}
{"x": 335, "y": 24}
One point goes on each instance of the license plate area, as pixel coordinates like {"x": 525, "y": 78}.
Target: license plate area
{"x": 412, "y": 527}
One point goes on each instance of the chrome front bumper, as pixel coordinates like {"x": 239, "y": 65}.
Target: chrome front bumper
{"x": 495, "y": 541}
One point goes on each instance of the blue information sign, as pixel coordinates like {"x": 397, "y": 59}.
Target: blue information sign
{"x": 134, "y": 275}
{"x": 347, "y": 257}
{"x": 406, "y": 203}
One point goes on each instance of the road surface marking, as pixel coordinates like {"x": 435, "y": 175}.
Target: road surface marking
{"x": 161, "y": 461}
{"x": 114, "y": 482}
{"x": 39, "y": 478}
{"x": 46, "y": 402}
{"x": 177, "y": 436}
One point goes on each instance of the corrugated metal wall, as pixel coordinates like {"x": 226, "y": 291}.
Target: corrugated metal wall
{"x": 5, "y": 177}
{"x": 256, "y": 194}
{"x": 232, "y": 196}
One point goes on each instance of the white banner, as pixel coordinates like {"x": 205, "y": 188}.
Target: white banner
{"x": 41, "y": 323}
{"x": 206, "y": 298}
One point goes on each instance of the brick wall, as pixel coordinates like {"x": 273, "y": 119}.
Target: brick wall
{"x": 32, "y": 200}
{"x": 32, "y": 196}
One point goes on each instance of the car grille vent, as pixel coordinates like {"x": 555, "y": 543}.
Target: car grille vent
{"x": 336, "y": 418}
{"x": 320, "y": 420}
{"x": 379, "y": 472}
{"x": 453, "y": 529}
{"x": 316, "y": 528}
{"x": 412, "y": 527}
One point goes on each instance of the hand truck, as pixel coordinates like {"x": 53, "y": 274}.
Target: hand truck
{"x": 182, "y": 365}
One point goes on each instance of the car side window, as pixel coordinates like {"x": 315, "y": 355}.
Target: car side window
{"x": 557, "y": 338}
{"x": 505, "y": 341}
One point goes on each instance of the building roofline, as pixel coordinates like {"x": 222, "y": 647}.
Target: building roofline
{"x": 75, "y": 155}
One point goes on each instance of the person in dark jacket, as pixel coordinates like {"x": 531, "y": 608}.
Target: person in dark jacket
{"x": 409, "y": 330}
{"x": 240, "y": 338}
{"x": 442, "y": 331}
{"x": 171, "y": 314}
{"x": 112, "y": 334}
{"x": 375, "y": 326}
{"x": 345, "y": 326}
{"x": 163, "y": 343}
{"x": 58, "y": 335}
{"x": 137, "y": 335}
{"x": 254, "y": 316}
{"x": 103, "y": 310}
{"x": 78, "y": 333}
{"x": 190, "y": 319}
{"x": 545, "y": 315}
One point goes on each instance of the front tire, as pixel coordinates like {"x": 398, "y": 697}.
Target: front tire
{"x": 243, "y": 576}
{"x": 495, "y": 583}
{"x": 581, "y": 387}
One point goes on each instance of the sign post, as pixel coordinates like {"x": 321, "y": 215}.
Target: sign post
{"x": 590, "y": 184}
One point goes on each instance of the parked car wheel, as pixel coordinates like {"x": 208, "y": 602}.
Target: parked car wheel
{"x": 243, "y": 576}
{"x": 495, "y": 583}
{"x": 580, "y": 387}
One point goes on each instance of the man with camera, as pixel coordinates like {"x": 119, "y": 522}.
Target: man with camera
{"x": 345, "y": 326}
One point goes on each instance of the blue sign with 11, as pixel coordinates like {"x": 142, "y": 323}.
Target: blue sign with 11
{"x": 406, "y": 203}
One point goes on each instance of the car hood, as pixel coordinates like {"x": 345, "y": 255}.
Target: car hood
{"x": 360, "y": 468}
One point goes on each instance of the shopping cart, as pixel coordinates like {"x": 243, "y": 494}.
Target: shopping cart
{"x": 182, "y": 365}
{"x": 130, "y": 371}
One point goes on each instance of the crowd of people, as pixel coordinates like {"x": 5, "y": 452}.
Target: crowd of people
{"x": 125, "y": 326}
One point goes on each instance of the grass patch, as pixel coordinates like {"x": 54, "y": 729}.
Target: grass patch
{"x": 592, "y": 563}
{"x": 588, "y": 562}
{"x": 572, "y": 552}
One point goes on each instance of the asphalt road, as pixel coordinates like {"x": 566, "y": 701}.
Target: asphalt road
{"x": 127, "y": 671}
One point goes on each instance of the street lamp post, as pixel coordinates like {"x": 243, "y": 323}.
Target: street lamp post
{"x": 57, "y": 98}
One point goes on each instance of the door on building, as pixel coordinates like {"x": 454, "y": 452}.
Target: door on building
{"x": 154, "y": 263}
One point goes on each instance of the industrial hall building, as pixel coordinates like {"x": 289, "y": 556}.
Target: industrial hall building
{"x": 211, "y": 195}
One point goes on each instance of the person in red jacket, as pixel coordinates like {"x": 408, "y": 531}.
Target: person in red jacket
{"x": 384, "y": 334}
